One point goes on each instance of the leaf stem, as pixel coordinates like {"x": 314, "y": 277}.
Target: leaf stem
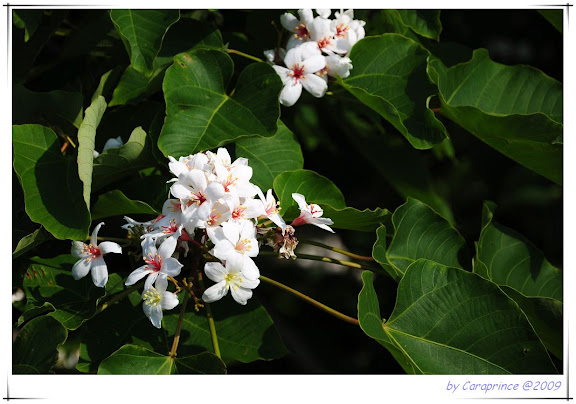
{"x": 338, "y": 250}
{"x": 234, "y": 51}
{"x": 331, "y": 261}
{"x": 308, "y": 299}
{"x": 211, "y": 324}
{"x": 179, "y": 326}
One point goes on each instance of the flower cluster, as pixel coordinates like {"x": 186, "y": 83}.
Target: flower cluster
{"x": 216, "y": 207}
{"x": 317, "y": 48}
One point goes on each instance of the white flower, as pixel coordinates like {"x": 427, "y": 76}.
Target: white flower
{"x": 230, "y": 278}
{"x": 338, "y": 66}
{"x": 271, "y": 208}
{"x": 91, "y": 258}
{"x": 112, "y": 143}
{"x": 302, "y": 62}
{"x": 236, "y": 243}
{"x": 297, "y": 26}
{"x": 184, "y": 164}
{"x": 310, "y": 214}
{"x": 159, "y": 262}
{"x": 156, "y": 299}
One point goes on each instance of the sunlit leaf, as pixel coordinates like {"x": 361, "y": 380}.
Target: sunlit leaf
{"x": 115, "y": 203}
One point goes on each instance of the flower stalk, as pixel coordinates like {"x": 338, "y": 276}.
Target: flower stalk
{"x": 338, "y": 250}
{"x": 179, "y": 327}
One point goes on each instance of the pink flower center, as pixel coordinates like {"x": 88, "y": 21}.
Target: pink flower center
{"x": 324, "y": 42}
{"x": 176, "y": 206}
{"x": 171, "y": 228}
{"x": 214, "y": 217}
{"x": 228, "y": 182}
{"x": 243, "y": 246}
{"x": 315, "y": 210}
{"x": 154, "y": 262}
{"x": 198, "y": 198}
{"x": 301, "y": 32}
{"x": 342, "y": 30}
{"x": 92, "y": 251}
{"x": 238, "y": 212}
{"x": 297, "y": 72}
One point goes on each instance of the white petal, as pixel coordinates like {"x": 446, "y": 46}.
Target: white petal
{"x": 289, "y": 21}
{"x": 136, "y": 275}
{"x": 77, "y": 250}
{"x": 323, "y": 12}
{"x": 112, "y": 143}
{"x": 314, "y": 64}
{"x": 167, "y": 247}
{"x": 231, "y": 231}
{"x": 250, "y": 283}
{"x": 290, "y": 93}
{"x": 99, "y": 272}
{"x": 154, "y": 313}
{"x": 81, "y": 268}
{"x": 300, "y": 200}
{"x": 215, "y": 271}
{"x": 241, "y": 295}
{"x": 306, "y": 15}
{"x": 308, "y": 50}
{"x": 293, "y": 56}
{"x": 215, "y": 292}
{"x": 315, "y": 85}
{"x": 224, "y": 250}
{"x": 214, "y": 191}
{"x": 197, "y": 179}
{"x": 161, "y": 283}
{"x": 94, "y": 238}
{"x": 171, "y": 267}
{"x": 250, "y": 270}
{"x": 110, "y": 247}
{"x": 180, "y": 191}
{"x": 169, "y": 301}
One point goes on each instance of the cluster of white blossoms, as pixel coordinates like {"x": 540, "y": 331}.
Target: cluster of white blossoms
{"x": 214, "y": 205}
{"x": 317, "y": 48}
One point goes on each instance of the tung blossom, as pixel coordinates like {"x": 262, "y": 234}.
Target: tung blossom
{"x": 311, "y": 214}
{"x": 157, "y": 299}
{"x": 92, "y": 258}
{"x": 229, "y": 277}
{"x": 301, "y": 64}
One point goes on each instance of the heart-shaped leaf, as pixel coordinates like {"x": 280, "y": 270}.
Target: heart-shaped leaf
{"x": 201, "y": 116}
{"x": 142, "y": 32}
{"x": 271, "y": 156}
{"x": 515, "y": 109}
{"x": 86, "y": 142}
{"x": 423, "y": 22}
{"x": 135, "y": 360}
{"x": 52, "y": 189}
{"x": 419, "y": 232}
{"x": 379, "y": 254}
{"x": 390, "y": 77}
{"x": 31, "y": 241}
{"x": 35, "y": 349}
{"x": 450, "y": 321}
{"x": 51, "y": 281}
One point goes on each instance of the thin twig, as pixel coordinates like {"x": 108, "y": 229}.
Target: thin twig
{"x": 179, "y": 327}
{"x": 338, "y": 250}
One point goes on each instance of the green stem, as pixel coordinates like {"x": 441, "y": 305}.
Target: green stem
{"x": 330, "y": 260}
{"x": 116, "y": 239}
{"x": 338, "y": 250}
{"x": 308, "y": 299}
{"x": 234, "y": 51}
{"x": 211, "y": 324}
{"x": 179, "y": 326}
{"x": 118, "y": 296}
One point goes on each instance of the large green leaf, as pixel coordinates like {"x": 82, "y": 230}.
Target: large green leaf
{"x": 515, "y": 109}
{"x": 54, "y": 107}
{"x": 419, "y": 232}
{"x": 201, "y": 116}
{"x": 51, "y": 281}
{"x": 135, "y": 360}
{"x": 112, "y": 164}
{"x": 142, "y": 32}
{"x": 52, "y": 189}
{"x": 271, "y": 156}
{"x": 35, "y": 348}
{"x": 320, "y": 190}
{"x": 507, "y": 258}
{"x": 134, "y": 85}
{"x": 245, "y": 333}
{"x": 389, "y": 76}
{"x": 115, "y": 203}
{"x": 86, "y": 142}
{"x": 379, "y": 254}
{"x": 30, "y": 241}
{"x": 449, "y": 321}
{"x": 423, "y": 22}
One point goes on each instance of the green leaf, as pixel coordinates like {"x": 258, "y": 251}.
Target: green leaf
{"x": 134, "y": 85}
{"x": 271, "y": 156}
{"x": 320, "y": 190}
{"x": 554, "y": 17}
{"x": 34, "y": 312}
{"x": 201, "y": 116}
{"x": 135, "y": 360}
{"x": 142, "y": 32}
{"x": 419, "y": 232}
{"x": 107, "y": 83}
{"x": 86, "y": 142}
{"x": 54, "y": 107}
{"x": 35, "y": 347}
{"x": 507, "y": 258}
{"x": 52, "y": 189}
{"x": 30, "y": 241}
{"x": 115, "y": 203}
{"x": 389, "y": 76}
{"x": 449, "y": 321}
{"x": 28, "y": 20}
{"x": 112, "y": 164}
{"x": 51, "y": 281}
{"x": 423, "y": 22}
{"x": 545, "y": 315}
{"x": 379, "y": 254}
{"x": 517, "y": 110}
{"x": 245, "y": 333}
